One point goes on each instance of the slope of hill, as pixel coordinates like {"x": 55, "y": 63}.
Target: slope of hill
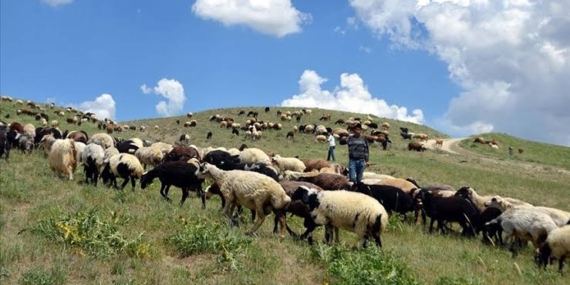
{"x": 54, "y": 231}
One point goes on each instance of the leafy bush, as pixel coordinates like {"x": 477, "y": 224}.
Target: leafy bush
{"x": 363, "y": 266}
{"x": 88, "y": 233}
{"x": 40, "y": 276}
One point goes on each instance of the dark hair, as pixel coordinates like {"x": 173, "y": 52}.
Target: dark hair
{"x": 358, "y": 126}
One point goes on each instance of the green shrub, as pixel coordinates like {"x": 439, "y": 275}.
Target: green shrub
{"x": 90, "y": 233}
{"x": 363, "y": 266}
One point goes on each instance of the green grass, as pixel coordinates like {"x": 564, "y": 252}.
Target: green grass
{"x": 136, "y": 237}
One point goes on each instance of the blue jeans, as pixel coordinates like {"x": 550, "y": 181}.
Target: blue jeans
{"x": 331, "y": 154}
{"x": 356, "y": 169}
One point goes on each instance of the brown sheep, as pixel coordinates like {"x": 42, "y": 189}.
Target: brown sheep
{"x": 421, "y": 137}
{"x": 386, "y": 125}
{"x": 315, "y": 164}
{"x": 439, "y": 142}
{"x": 480, "y": 140}
{"x": 521, "y": 150}
{"x": 329, "y": 181}
{"x": 181, "y": 152}
{"x": 78, "y": 136}
{"x": 416, "y": 146}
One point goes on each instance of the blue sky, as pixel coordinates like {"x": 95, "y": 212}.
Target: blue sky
{"x": 465, "y": 74}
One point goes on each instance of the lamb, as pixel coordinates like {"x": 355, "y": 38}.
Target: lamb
{"x": 454, "y": 209}
{"x": 178, "y": 173}
{"x": 102, "y": 139}
{"x": 252, "y": 190}
{"x": 557, "y": 245}
{"x": 524, "y": 223}
{"x": 93, "y": 157}
{"x": 122, "y": 165}
{"x": 254, "y": 155}
{"x": 63, "y": 157}
{"x": 149, "y": 155}
{"x": 288, "y": 163}
{"x": 392, "y": 198}
{"x": 185, "y": 138}
{"x": 354, "y": 212}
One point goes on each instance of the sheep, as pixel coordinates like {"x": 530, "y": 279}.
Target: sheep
{"x": 102, "y": 139}
{"x": 524, "y": 223}
{"x": 403, "y": 184}
{"x": 559, "y": 217}
{"x": 321, "y": 138}
{"x": 392, "y": 198}
{"x": 479, "y": 201}
{"x": 26, "y": 143}
{"x": 290, "y": 135}
{"x": 254, "y": 155}
{"x": 78, "y": 136}
{"x": 110, "y": 152}
{"x": 328, "y": 181}
{"x": 252, "y": 190}
{"x": 92, "y": 158}
{"x": 315, "y": 164}
{"x": 30, "y": 130}
{"x": 181, "y": 152}
{"x": 129, "y": 146}
{"x": 149, "y": 155}
{"x": 63, "y": 157}
{"x": 184, "y": 138}
{"x": 439, "y": 142}
{"x": 454, "y": 209}
{"x": 288, "y": 163}
{"x": 417, "y": 146}
{"x": 164, "y": 147}
{"x": 406, "y": 136}
{"x": 354, "y": 212}
{"x": 557, "y": 245}
{"x": 178, "y": 173}
{"x": 4, "y": 144}
{"x": 372, "y": 175}
{"x": 209, "y": 135}
{"x": 122, "y": 165}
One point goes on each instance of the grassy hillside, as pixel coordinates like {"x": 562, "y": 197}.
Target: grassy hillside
{"x": 54, "y": 231}
{"x": 534, "y": 152}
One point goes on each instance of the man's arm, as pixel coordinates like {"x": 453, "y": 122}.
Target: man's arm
{"x": 342, "y": 140}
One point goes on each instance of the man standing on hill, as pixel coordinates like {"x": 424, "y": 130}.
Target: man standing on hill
{"x": 357, "y": 153}
{"x": 331, "y": 147}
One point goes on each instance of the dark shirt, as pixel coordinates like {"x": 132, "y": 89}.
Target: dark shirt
{"x": 357, "y": 147}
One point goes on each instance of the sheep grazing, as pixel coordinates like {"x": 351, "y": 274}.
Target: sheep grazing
{"x": 290, "y": 135}
{"x": 354, "y": 212}
{"x": 559, "y": 217}
{"x": 252, "y": 190}
{"x": 184, "y": 138}
{"x": 102, "y": 139}
{"x": 26, "y": 143}
{"x": 254, "y": 155}
{"x": 417, "y": 146}
{"x": 123, "y": 165}
{"x": 178, "y": 173}
{"x": 452, "y": 209}
{"x": 149, "y": 155}
{"x": 129, "y": 146}
{"x": 62, "y": 157}
{"x": 557, "y": 245}
{"x": 181, "y": 152}
{"x": 209, "y": 135}
{"x": 328, "y": 181}
{"x": 480, "y": 201}
{"x": 288, "y": 163}
{"x": 521, "y": 150}
{"x": 321, "y": 138}
{"x": 78, "y": 136}
{"x": 524, "y": 223}
{"x": 92, "y": 157}
{"x": 406, "y": 136}
{"x": 4, "y": 144}
{"x": 392, "y": 198}
{"x": 297, "y": 208}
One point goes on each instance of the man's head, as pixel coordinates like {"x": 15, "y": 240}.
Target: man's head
{"x": 357, "y": 130}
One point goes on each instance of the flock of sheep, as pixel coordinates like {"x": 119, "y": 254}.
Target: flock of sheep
{"x": 313, "y": 189}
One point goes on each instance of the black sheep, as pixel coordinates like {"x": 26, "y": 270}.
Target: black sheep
{"x": 235, "y": 132}
{"x": 178, "y": 173}
{"x": 267, "y": 109}
{"x": 490, "y": 232}
{"x": 406, "y": 136}
{"x": 209, "y": 135}
{"x": 452, "y": 209}
{"x": 4, "y": 143}
{"x": 392, "y": 198}
{"x": 220, "y": 158}
{"x": 404, "y": 130}
{"x": 127, "y": 147}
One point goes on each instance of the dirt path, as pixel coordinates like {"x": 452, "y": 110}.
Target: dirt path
{"x": 449, "y": 145}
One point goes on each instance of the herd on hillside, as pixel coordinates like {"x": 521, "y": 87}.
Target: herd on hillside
{"x": 315, "y": 190}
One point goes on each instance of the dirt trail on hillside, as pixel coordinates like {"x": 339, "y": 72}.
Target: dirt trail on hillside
{"x": 449, "y": 145}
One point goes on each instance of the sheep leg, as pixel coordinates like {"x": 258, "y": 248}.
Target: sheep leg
{"x": 184, "y": 195}
{"x": 125, "y": 183}
{"x": 163, "y": 192}
{"x": 377, "y": 239}
{"x": 202, "y": 195}
{"x": 258, "y": 221}
{"x": 281, "y": 216}
{"x": 310, "y": 227}
{"x": 561, "y": 263}
{"x": 431, "y": 225}
{"x": 289, "y": 230}
{"x": 133, "y": 182}
{"x": 365, "y": 241}
{"x": 328, "y": 234}
{"x": 70, "y": 173}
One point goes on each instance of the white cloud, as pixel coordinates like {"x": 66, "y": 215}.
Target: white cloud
{"x": 170, "y": 89}
{"x": 272, "y": 17}
{"x": 364, "y": 49}
{"x": 103, "y": 106}
{"x": 511, "y": 58}
{"x": 351, "y": 96}
{"x": 55, "y": 3}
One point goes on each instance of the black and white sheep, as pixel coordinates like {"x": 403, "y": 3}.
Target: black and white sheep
{"x": 92, "y": 158}
{"x": 123, "y": 165}
{"x": 557, "y": 245}
{"x": 351, "y": 211}
{"x": 178, "y": 173}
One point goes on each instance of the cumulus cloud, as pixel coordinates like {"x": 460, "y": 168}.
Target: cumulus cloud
{"x": 55, "y": 3}
{"x": 351, "y": 96}
{"x": 172, "y": 91}
{"x": 272, "y": 17}
{"x": 103, "y": 106}
{"x": 510, "y": 57}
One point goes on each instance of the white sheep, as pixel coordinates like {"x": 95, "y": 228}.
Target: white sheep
{"x": 30, "y": 130}
{"x": 557, "y": 246}
{"x": 122, "y": 165}
{"x": 149, "y": 155}
{"x": 93, "y": 157}
{"x": 351, "y": 211}
{"x": 63, "y": 157}
{"x": 234, "y": 151}
{"x": 320, "y": 138}
{"x": 254, "y": 155}
{"x": 559, "y": 217}
{"x": 479, "y": 201}
{"x": 288, "y": 163}
{"x": 373, "y": 175}
{"x": 164, "y": 147}
{"x": 110, "y": 152}
{"x": 102, "y": 139}
{"x": 524, "y": 223}
{"x": 251, "y": 189}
